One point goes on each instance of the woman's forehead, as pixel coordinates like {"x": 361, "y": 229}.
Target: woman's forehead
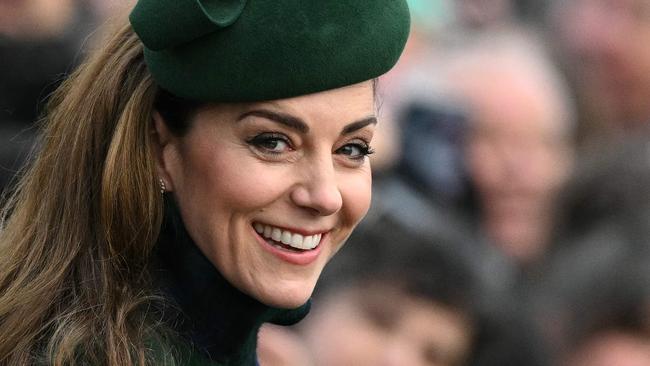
{"x": 347, "y": 103}
{"x": 344, "y": 105}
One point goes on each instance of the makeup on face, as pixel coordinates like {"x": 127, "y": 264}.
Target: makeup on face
{"x": 270, "y": 191}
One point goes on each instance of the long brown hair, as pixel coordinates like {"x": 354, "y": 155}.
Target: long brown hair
{"x": 78, "y": 229}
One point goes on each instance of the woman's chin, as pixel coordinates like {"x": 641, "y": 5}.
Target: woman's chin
{"x": 285, "y": 298}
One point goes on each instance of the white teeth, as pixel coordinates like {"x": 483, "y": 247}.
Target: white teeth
{"x": 294, "y": 240}
{"x": 259, "y": 228}
{"x": 286, "y": 238}
{"x": 306, "y": 242}
{"x": 276, "y": 234}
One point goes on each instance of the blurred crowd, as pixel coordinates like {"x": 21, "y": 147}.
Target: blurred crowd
{"x": 511, "y": 195}
{"x": 41, "y": 41}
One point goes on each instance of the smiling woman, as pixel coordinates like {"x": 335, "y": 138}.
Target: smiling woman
{"x": 192, "y": 180}
{"x": 302, "y": 184}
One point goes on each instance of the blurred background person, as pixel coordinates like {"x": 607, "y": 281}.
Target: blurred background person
{"x": 518, "y": 143}
{"x": 487, "y": 142}
{"x": 282, "y": 346}
{"x": 603, "y": 45}
{"x": 40, "y": 42}
{"x": 105, "y": 9}
{"x": 36, "y": 19}
{"x": 435, "y": 25}
{"x": 609, "y": 322}
{"x": 598, "y": 315}
{"x": 593, "y": 301}
{"x": 408, "y": 297}
{"x": 479, "y": 14}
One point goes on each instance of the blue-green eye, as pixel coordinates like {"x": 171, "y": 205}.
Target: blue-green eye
{"x": 355, "y": 151}
{"x": 273, "y": 143}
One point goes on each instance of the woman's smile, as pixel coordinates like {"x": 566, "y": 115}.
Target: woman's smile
{"x": 301, "y": 240}
{"x": 291, "y": 247}
{"x": 192, "y": 179}
{"x": 270, "y": 191}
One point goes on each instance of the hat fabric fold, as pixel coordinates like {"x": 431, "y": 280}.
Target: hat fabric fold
{"x": 164, "y": 24}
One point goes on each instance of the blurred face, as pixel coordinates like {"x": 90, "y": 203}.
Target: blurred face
{"x": 613, "y": 348}
{"x": 481, "y": 13}
{"x": 606, "y": 44}
{"x": 270, "y": 191}
{"x": 517, "y": 158}
{"x": 363, "y": 329}
{"x": 35, "y": 18}
{"x": 282, "y": 346}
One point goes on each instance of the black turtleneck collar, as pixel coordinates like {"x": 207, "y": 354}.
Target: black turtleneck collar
{"x": 216, "y": 319}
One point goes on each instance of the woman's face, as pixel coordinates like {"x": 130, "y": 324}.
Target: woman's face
{"x": 270, "y": 191}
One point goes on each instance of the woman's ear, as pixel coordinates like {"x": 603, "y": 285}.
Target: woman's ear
{"x": 162, "y": 139}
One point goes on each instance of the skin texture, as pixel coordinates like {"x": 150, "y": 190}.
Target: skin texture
{"x": 238, "y": 165}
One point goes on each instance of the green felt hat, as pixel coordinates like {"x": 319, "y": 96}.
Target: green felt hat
{"x": 252, "y": 50}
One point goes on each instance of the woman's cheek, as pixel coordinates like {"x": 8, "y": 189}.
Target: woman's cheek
{"x": 238, "y": 177}
{"x": 356, "y": 191}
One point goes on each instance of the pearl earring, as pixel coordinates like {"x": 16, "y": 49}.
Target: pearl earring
{"x": 163, "y": 188}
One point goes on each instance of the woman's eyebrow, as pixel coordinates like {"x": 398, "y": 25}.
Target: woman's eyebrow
{"x": 355, "y": 126}
{"x": 299, "y": 125}
{"x": 292, "y": 122}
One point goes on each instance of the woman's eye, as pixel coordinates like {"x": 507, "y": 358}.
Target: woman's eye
{"x": 271, "y": 142}
{"x": 355, "y": 151}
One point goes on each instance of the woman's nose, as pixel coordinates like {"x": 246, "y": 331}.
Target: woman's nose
{"x": 318, "y": 191}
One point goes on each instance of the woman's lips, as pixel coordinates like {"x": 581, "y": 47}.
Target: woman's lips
{"x": 288, "y": 237}
{"x": 292, "y": 247}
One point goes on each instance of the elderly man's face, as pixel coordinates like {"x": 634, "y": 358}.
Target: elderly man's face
{"x": 518, "y": 158}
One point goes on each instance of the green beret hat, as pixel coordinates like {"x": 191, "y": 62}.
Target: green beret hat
{"x": 252, "y": 50}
